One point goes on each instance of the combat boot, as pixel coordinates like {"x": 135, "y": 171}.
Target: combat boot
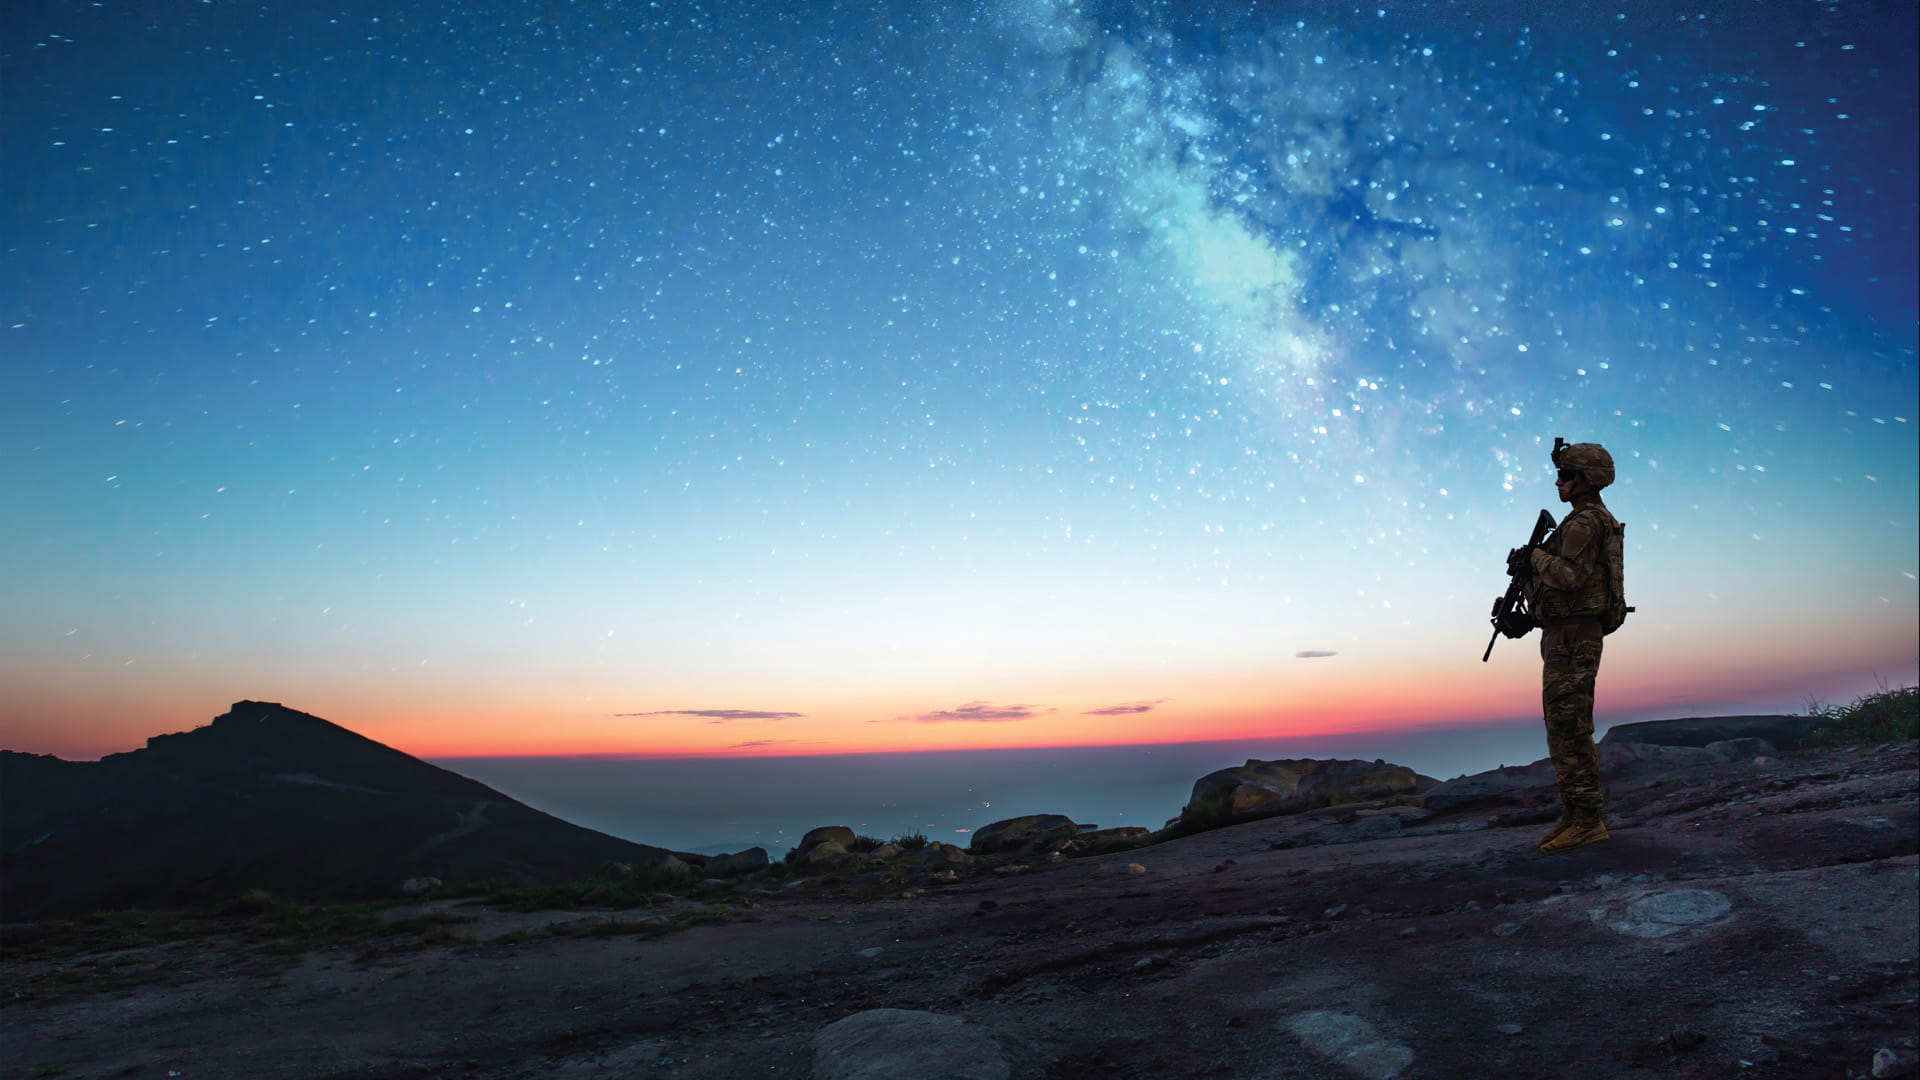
{"x": 1560, "y": 827}
{"x": 1582, "y": 829}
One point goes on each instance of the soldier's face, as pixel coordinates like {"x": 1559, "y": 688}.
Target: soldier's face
{"x": 1570, "y": 487}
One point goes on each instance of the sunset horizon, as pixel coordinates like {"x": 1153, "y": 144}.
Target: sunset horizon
{"x": 587, "y": 735}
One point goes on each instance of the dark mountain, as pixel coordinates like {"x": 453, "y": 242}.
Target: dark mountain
{"x": 265, "y": 797}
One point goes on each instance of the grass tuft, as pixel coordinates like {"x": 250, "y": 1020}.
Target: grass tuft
{"x": 1883, "y": 716}
{"x": 626, "y": 891}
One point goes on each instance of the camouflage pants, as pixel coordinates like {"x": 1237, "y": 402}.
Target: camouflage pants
{"x": 1570, "y": 658}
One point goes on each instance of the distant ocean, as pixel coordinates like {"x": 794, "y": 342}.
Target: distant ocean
{"x": 713, "y": 805}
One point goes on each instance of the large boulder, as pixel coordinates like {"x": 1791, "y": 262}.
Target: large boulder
{"x": 671, "y": 867}
{"x": 740, "y": 862}
{"x": 939, "y": 856}
{"x": 1265, "y": 788}
{"x": 1029, "y": 834}
{"x": 837, "y": 834}
{"x": 1785, "y": 732}
{"x": 826, "y": 853}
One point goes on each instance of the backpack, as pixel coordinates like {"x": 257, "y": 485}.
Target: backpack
{"x": 1612, "y": 558}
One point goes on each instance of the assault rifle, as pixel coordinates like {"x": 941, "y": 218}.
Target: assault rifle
{"x": 1510, "y": 614}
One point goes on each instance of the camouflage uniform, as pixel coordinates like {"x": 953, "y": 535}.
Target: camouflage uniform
{"x": 1568, "y": 596}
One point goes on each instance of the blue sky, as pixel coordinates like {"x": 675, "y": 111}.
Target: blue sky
{"x": 514, "y": 380}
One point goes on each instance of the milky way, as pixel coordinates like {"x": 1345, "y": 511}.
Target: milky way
{"x": 700, "y": 363}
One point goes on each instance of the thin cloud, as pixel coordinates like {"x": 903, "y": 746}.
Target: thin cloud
{"x": 1128, "y": 708}
{"x": 981, "y": 712}
{"x": 1309, "y": 654}
{"x": 720, "y": 716}
{"x": 764, "y": 742}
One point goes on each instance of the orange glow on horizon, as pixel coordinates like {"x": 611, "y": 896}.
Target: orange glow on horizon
{"x": 1291, "y": 702}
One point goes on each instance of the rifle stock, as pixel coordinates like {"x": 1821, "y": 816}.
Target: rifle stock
{"x": 1510, "y": 614}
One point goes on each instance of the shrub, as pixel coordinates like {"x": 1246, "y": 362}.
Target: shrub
{"x": 1883, "y": 716}
{"x": 912, "y": 841}
{"x": 634, "y": 889}
{"x": 252, "y": 902}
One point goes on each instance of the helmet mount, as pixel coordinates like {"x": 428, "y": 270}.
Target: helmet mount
{"x": 1590, "y": 460}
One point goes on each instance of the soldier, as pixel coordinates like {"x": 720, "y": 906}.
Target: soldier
{"x": 1576, "y": 594}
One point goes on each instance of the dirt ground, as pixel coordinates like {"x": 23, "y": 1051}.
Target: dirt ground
{"x": 1742, "y": 921}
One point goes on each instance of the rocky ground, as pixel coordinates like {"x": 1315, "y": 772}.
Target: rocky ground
{"x": 1749, "y": 920}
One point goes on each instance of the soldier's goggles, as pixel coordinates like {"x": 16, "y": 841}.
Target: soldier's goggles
{"x": 1568, "y": 476}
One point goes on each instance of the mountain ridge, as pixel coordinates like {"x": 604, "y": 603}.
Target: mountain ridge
{"x": 268, "y": 797}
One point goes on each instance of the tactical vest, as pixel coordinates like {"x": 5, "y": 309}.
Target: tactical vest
{"x": 1602, "y": 598}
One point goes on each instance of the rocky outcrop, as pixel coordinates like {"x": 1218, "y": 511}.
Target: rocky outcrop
{"x": 1619, "y": 760}
{"x": 1439, "y": 953}
{"x": 1099, "y": 840}
{"x": 1624, "y": 767}
{"x": 1505, "y": 785}
{"x": 939, "y": 856}
{"x": 1266, "y": 788}
{"x": 740, "y": 862}
{"x": 826, "y": 853}
{"x": 1742, "y": 749}
{"x": 672, "y": 867}
{"x": 825, "y": 834}
{"x": 1034, "y": 833}
{"x": 1784, "y": 732}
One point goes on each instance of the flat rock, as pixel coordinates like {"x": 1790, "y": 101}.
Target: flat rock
{"x": 1784, "y": 732}
{"x": 1654, "y": 913}
{"x": 906, "y": 1044}
{"x": 1494, "y": 787}
{"x": 1351, "y": 1042}
{"x": 1360, "y": 829}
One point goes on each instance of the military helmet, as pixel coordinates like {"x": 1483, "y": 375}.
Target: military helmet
{"x": 1590, "y": 460}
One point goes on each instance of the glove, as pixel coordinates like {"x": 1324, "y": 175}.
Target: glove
{"x": 1519, "y": 561}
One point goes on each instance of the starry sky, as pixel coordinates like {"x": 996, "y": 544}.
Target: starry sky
{"x": 747, "y": 378}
